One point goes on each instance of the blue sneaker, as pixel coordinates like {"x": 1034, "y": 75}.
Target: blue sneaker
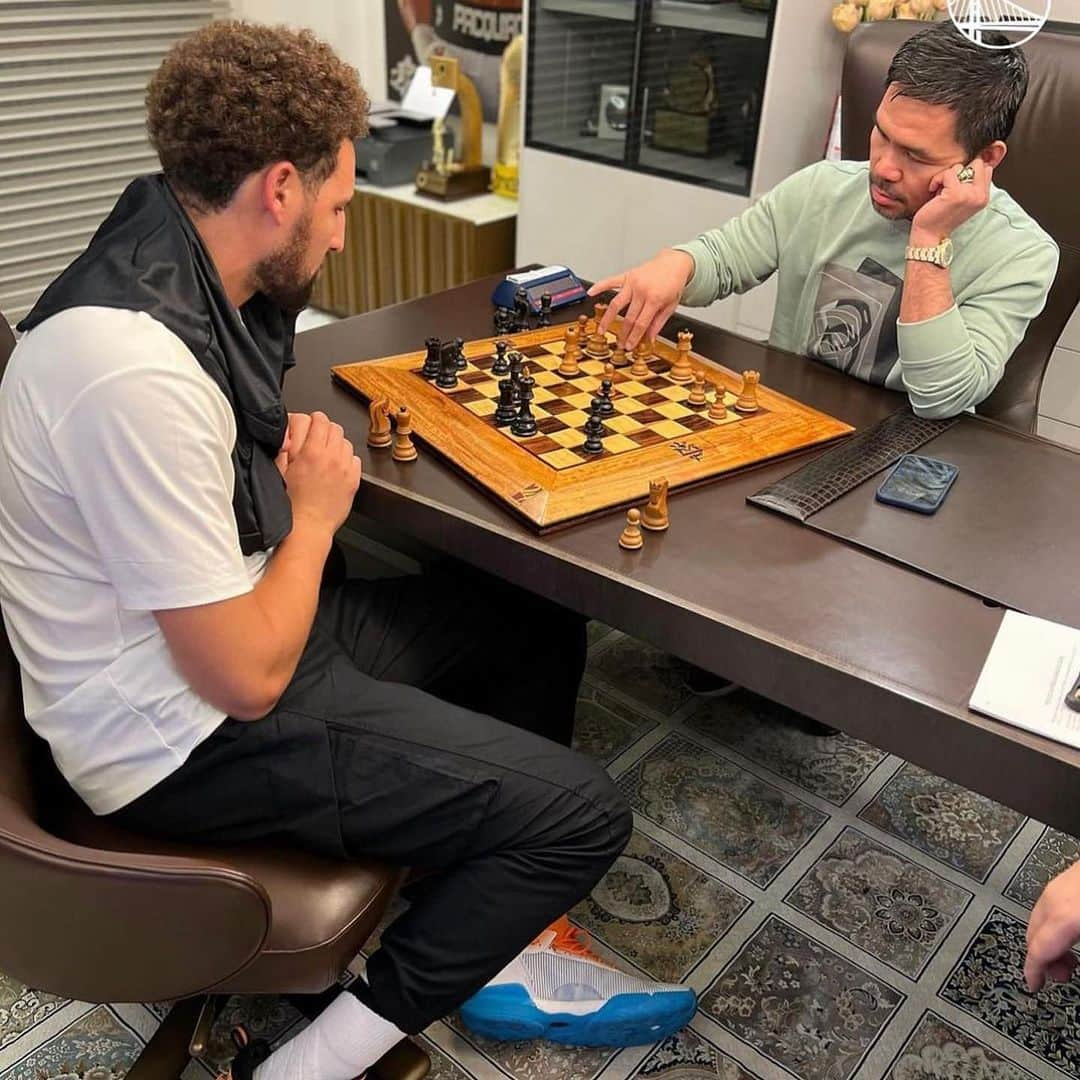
{"x": 558, "y": 989}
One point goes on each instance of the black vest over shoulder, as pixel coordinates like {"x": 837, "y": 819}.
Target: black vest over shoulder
{"x": 147, "y": 256}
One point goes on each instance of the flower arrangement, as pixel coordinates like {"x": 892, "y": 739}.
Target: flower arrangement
{"x": 848, "y": 14}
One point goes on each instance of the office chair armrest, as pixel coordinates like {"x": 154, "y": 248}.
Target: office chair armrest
{"x": 118, "y": 925}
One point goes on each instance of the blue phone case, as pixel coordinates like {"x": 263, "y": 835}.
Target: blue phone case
{"x": 917, "y": 483}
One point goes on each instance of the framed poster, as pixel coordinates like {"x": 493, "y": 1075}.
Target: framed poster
{"x": 475, "y": 32}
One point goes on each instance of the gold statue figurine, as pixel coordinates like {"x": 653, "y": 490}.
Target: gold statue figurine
{"x": 468, "y": 176}
{"x": 504, "y": 177}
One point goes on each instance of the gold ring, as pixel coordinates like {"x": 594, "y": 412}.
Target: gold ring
{"x": 966, "y": 175}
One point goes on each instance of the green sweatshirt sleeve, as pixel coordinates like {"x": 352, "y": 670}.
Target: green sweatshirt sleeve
{"x": 953, "y": 361}
{"x": 745, "y": 251}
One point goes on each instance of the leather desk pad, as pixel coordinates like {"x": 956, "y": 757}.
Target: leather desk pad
{"x": 1008, "y": 531}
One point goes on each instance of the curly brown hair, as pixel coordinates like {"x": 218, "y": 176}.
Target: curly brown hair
{"x": 235, "y": 96}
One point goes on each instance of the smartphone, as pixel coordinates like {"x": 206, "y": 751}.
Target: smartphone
{"x": 917, "y": 483}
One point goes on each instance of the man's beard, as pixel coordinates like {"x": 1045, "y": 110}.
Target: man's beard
{"x": 281, "y": 276}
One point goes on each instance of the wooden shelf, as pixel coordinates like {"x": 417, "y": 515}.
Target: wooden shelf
{"x": 682, "y": 14}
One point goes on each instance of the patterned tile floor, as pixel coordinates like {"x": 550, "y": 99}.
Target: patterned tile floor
{"x": 842, "y": 914}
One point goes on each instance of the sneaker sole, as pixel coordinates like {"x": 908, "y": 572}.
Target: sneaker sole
{"x": 508, "y": 1014}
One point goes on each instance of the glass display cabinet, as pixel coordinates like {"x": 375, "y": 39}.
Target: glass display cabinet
{"x": 668, "y": 87}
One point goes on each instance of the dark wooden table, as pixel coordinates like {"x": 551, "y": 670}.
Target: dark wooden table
{"x": 884, "y": 653}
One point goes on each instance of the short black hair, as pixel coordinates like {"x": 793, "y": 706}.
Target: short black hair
{"x": 984, "y": 87}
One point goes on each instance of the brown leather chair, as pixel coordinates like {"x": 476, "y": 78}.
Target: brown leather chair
{"x": 96, "y": 914}
{"x": 1039, "y": 172}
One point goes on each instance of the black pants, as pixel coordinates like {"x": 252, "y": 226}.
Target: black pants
{"x": 427, "y": 725}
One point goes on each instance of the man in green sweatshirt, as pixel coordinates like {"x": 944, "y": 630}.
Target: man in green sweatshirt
{"x": 910, "y": 270}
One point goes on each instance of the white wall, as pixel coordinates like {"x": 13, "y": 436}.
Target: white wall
{"x": 356, "y": 29}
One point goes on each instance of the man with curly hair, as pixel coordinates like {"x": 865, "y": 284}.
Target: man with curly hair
{"x": 164, "y": 527}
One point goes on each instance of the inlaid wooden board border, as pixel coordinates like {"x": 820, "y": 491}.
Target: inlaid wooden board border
{"x": 549, "y": 498}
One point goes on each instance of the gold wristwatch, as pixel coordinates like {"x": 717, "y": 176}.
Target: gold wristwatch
{"x": 939, "y": 255}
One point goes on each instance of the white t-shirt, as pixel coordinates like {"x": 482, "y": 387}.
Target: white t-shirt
{"x": 116, "y": 484}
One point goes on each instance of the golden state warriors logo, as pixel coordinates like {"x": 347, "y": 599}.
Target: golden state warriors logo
{"x": 976, "y": 18}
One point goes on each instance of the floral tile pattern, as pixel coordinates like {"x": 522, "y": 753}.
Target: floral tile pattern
{"x": 97, "y": 1046}
{"x": 804, "y": 1006}
{"x": 537, "y": 1060}
{"x": 988, "y": 983}
{"x": 831, "y": 767}
{"x": 958, "y": 827}
{"x": 658, "y": 911}
{"x": 690, "y": 1056}
{"x": 774, "y": 991}
{"x": 646, "y": 674}
{"x": 1055, "y": 851}
{"x": 719, "y": 808}
{"x": 604, "y": 727}
{"x": 938, "y": 1051}
{"x": 22, "y": 1008}
{"x": 880, "y": 901}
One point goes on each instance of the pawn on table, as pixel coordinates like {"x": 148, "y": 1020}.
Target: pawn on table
{"x": 379, "y": 428}
{"x": 718, "y": 410}
{"x": 655, "y": 516}
{"x": 501, "y": 366}
{"x": 545, "y": 309}
{"x": 747, "y": 401}
{"x": 642, "y": 353}
{"x": 607, "y": 406}
{"x": 631, "y": 538}
{"x": 697, "y": 391}
{"x": 594, "y": 430}
{"x": 403, "y": 444}
{"x": 524, "y": 424}
{"x": 618, "y": 357}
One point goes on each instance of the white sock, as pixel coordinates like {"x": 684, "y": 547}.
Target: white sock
{"x": 343, "y": 1041}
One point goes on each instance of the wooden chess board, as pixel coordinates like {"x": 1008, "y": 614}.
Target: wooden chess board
{"x": 547, "y": 478}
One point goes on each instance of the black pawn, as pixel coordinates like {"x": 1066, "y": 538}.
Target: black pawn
{"x": 503, "y": 319}
{"x": 459, "y": 354}
{"x": 447, "y": 379}
{"x": 430, "y": 369}
{"x": 501, "y": 365}
{"x": 545, "y": 309}
{"x": 594, "y": 429}
{"x": 506, "y": 410}
{"x": 607, "y": 406}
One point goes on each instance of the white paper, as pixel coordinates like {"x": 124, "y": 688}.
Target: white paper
{"x": 423, "y": 98}
{"x": 1032, "y": 665}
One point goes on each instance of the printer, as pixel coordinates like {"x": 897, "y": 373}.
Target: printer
{"x": 398, "y": 143}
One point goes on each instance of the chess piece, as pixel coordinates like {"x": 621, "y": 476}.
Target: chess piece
{"x": 447, "y": 378}
{"x": 501, "y": 366}
{"x": 718, "y": 410}
{"x": 682, "y": 371}
{"x": 597, "y": 346}
{"x": 747, "y": 401}
{"x": 524, "y": 424}
{"x": 459, "y": 354}
{"x": 618, "y": 357}
{"x": 642, "y": 352}
{"x": 430, "y": 370}
{"x": 594, "y": 430}
{"x": 697, "y": 391}
{"x": 568, "y": 366}
{"x": 522, "y": 307}
{"x": 403, "y": 444}
{"x": 503, "y": 320}
{"x": 631, "y": 538}
{"x": 379, "y": 428}
{"x": 655, "y": 515}
{"x": 582, "y": 330}
{"x": 545, "y": 309}
{"x": 607, "y": 406}
{"x": 506, "y": 410}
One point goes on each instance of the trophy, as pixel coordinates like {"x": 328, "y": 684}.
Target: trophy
{"x": 504, "y": 177}
{"x": 687, "y": 121}
{"x": 442, "y": 176}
